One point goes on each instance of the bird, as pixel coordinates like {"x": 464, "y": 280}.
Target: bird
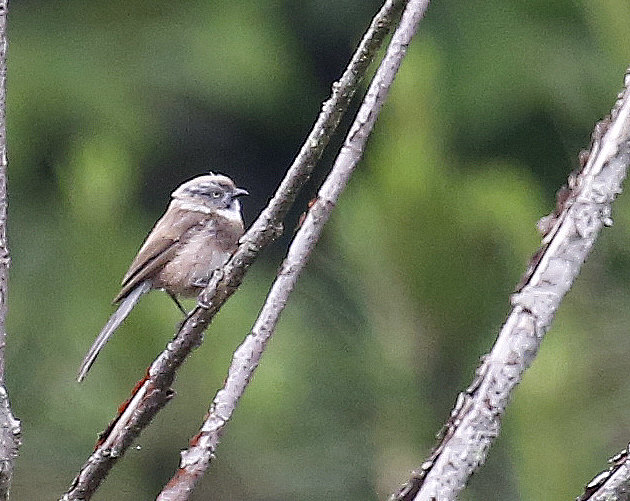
{"x": 196, "y": 235}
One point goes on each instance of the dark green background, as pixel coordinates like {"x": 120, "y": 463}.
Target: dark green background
{"x": 112, "y": 104}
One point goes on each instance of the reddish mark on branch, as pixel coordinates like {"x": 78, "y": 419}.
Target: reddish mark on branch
{"x": 194, "y": 441}
{"x": 121, "y": 409}
{"x": 174, "y": 483}
{"x": 311, "y": 202}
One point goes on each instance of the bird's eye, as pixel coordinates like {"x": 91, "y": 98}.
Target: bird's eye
{"x": 216, "y": 194}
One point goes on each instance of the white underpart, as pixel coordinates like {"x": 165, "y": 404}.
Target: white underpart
{"x": 231, "y": 213}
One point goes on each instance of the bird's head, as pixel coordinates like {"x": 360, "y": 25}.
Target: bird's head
{"x": 210, "y": 193}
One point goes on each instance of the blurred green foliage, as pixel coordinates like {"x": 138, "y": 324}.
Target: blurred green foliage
{"x": 113, "y": 104}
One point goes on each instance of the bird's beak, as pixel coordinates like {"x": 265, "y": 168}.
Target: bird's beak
{"x": 238, "y": 192}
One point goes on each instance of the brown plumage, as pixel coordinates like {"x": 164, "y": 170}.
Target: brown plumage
{"x": 196, "y": 235}
{"x": 177, "y": 229}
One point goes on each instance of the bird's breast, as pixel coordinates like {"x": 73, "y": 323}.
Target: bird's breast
{"x": 200, "y": 253}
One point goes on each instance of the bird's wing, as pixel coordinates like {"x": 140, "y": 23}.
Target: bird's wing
{"x": 160, "y": 247}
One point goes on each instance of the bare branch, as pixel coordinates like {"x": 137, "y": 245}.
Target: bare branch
{"x": 9, "y": 426}
{"x": 612, "y": 484}
{"x": 569, "y": 234}
{"x": 4, "y": 248}
{"x": 154, "y": 391}
{"x": 196, "y": 460}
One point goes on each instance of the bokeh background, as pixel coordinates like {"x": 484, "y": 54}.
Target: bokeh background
{"x": 113, "y": 104}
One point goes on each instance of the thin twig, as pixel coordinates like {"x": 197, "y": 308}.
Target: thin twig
{"x": 196, "y": 460}
{"x": 569, "y": 234}
{"x": 154, "y": 391}
{"x": 9, "y": 426}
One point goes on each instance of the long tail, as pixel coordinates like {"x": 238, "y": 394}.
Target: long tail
{"x": 112, "y": 324}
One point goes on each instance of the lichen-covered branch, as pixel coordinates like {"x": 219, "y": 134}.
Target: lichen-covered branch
{"x": 154, "y": 391}
{"x": 584, "y": 206}
{"x": 612, "y": 484}
{"x": 196, "y": 460}
{"x": 9, "y": 426}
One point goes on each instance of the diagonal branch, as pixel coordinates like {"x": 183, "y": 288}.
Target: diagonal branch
{"x": 9, "y": 426}
{"x": 196, "y": 460}
{"x": 569, "y": 234}
{"x": 154, "y": 391}
{"x": 612, "y": 484}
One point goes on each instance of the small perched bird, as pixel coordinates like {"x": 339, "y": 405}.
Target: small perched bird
{"x": 196, "y": 235}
